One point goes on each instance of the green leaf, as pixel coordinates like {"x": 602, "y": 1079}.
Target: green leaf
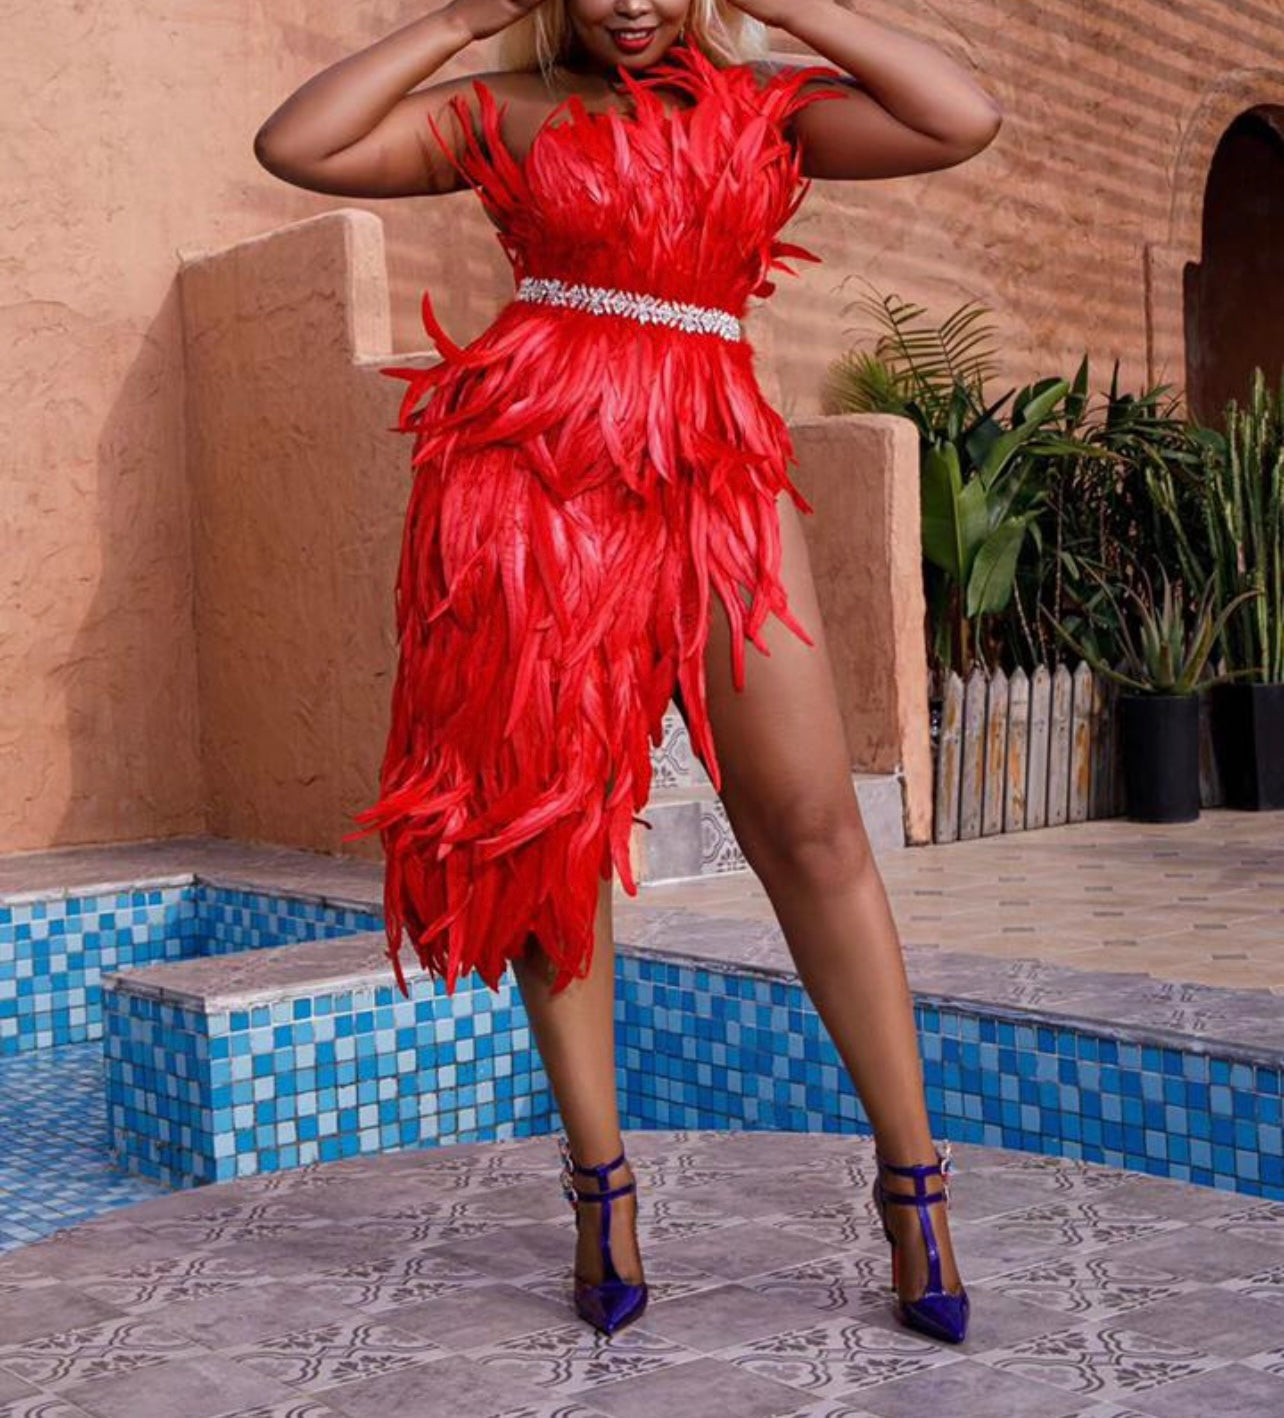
{"x": 989, "y": 586}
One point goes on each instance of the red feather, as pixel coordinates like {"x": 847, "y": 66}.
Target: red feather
{"x": 583, "y": 486}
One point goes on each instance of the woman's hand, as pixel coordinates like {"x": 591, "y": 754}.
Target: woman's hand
{"x": 481, "y": 18}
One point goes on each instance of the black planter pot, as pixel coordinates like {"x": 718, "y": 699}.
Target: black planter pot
{"x": 1160, "y": 746}
{"x": 1246, "y": 724}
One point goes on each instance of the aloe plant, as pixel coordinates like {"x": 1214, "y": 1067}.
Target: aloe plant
{"x": 1170, "y": 658}
{"x": 1244, "y": 512}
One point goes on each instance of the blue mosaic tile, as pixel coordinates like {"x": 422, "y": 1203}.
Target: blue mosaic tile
{"x": 54, "y": 951}
{"x": 195, "y": 1099}
{"x": 54, "y": 1166}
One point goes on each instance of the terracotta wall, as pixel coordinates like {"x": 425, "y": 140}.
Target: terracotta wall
{"x": 128, "y": 142}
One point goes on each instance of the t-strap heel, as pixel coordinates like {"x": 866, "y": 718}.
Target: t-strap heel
{"x": 937, "y": 1312}
{"x": 614, "y": 1302}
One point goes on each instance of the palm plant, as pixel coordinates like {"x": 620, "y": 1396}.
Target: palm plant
{"x": 981, "y": 493}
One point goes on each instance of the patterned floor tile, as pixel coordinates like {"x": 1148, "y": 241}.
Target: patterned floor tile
{"x": 1106, "y": 1360}
{"x": 575, "y": 1359}
{"x": 671, "y": 1216}
{"x": 197, "y": 1386}
{"x": 510, "y": 1252}
{"x": 302, "y": 1250}
{"x": 74, "y": 1356}
{"x": 1270, "y": 1360}
{"x": 670, "y": 1281}
{"x": 837, "y": 1356}
{"x": 255, "y": 1219}
{"x": 707, "y": 1387}
{"x": 1089, "y": 1287}
{"x": 1179, "y": 1201}
{"x": 91, "y": 1248}
{"x": 155, "y": 1285}
{"x": 385, "y": 1283}
{"x": 556, "y": 1408}
{"x": 452, "y": 1387}
{"x": 255, "y": 1312}
{"x": 1195, "y": 1250}
{"x": 31, "y": 1312}
{"x": 293, "y": 1407}
{"x": 850, "y": 1223}
{"x": 851, "y": 1283}
{"x": 42, "y": 1405}
{"x": 728, "y": 1314}
{"x": 995, "y": 1191}
{"x": 1234, "y": 1391}
{"x": 970, "y": 1390}
{"x": 736, "y": 1252}
{"x": 1055, "y": 1228}
{"x": 498, "y": 1311}
{"x": 331, "y": 1354}
{"x": 12, "y": 1388}
{"x": 1264, "y": 1284}
{"x": 1262, "y": 1223}
{"x": 1227, "y": 1325}
{"x": 1055, "y": 1280}
{"x": 1066, "y": 1178}
{"x": 831, "y": 1408}
{"x": 993, "y": 1320}
{"x": 1109, "y": 1410}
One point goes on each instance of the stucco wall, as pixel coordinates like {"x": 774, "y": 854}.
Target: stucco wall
{"x": 128, "y": 138}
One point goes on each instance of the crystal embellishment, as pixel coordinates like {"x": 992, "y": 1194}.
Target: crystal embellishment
{"x": 567, "y": 1178}
{"x": 649, "y": 309}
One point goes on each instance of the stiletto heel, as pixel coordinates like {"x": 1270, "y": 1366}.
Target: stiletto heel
{"x": 937, "y": 1311}
{"x": 614, "y": 1302}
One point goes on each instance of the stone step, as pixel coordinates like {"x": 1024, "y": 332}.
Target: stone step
{"x": 690, "y": 835}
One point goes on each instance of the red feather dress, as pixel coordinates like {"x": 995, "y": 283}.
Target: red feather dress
{"x": 583, "y": 482}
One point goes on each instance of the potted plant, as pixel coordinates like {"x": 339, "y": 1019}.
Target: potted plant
{"x": 1243, "y": 503}
{"x": 1159, "y": 706}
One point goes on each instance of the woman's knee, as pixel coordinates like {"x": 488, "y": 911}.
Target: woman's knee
{"x": 824, "y": 842}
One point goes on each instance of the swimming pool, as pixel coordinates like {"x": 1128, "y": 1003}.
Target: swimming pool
{"x": 307, "y": 1052}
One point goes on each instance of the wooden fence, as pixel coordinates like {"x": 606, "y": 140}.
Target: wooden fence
{"x": 1034, "y": 751}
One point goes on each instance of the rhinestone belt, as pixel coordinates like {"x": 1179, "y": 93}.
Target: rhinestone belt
{"x": 649, "y": 309}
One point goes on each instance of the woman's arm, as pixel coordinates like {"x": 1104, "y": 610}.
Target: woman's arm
{"x": 910, "y": 108}
{"x": 353, "y": 130}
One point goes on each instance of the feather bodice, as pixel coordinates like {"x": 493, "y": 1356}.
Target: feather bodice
{"x": 683, "y": 203}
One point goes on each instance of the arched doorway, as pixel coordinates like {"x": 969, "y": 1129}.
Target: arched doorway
{"x": 1234, "y": 296}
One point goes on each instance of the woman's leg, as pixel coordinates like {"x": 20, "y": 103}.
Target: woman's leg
{"x": 788, "y": 793}
{"x": 574, "y": 1032}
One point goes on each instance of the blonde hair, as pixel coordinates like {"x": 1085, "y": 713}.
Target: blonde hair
{"x": 542, "y": 39}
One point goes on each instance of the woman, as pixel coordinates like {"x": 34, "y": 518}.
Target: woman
{"x": 602, "y": 515}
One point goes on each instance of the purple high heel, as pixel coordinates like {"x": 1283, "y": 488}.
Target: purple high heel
{"x": 937, "y": 1312}
{"x": 614, "y": 1302}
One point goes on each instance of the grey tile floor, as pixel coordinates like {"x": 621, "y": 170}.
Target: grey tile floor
{"x": 438, "y": 1283}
